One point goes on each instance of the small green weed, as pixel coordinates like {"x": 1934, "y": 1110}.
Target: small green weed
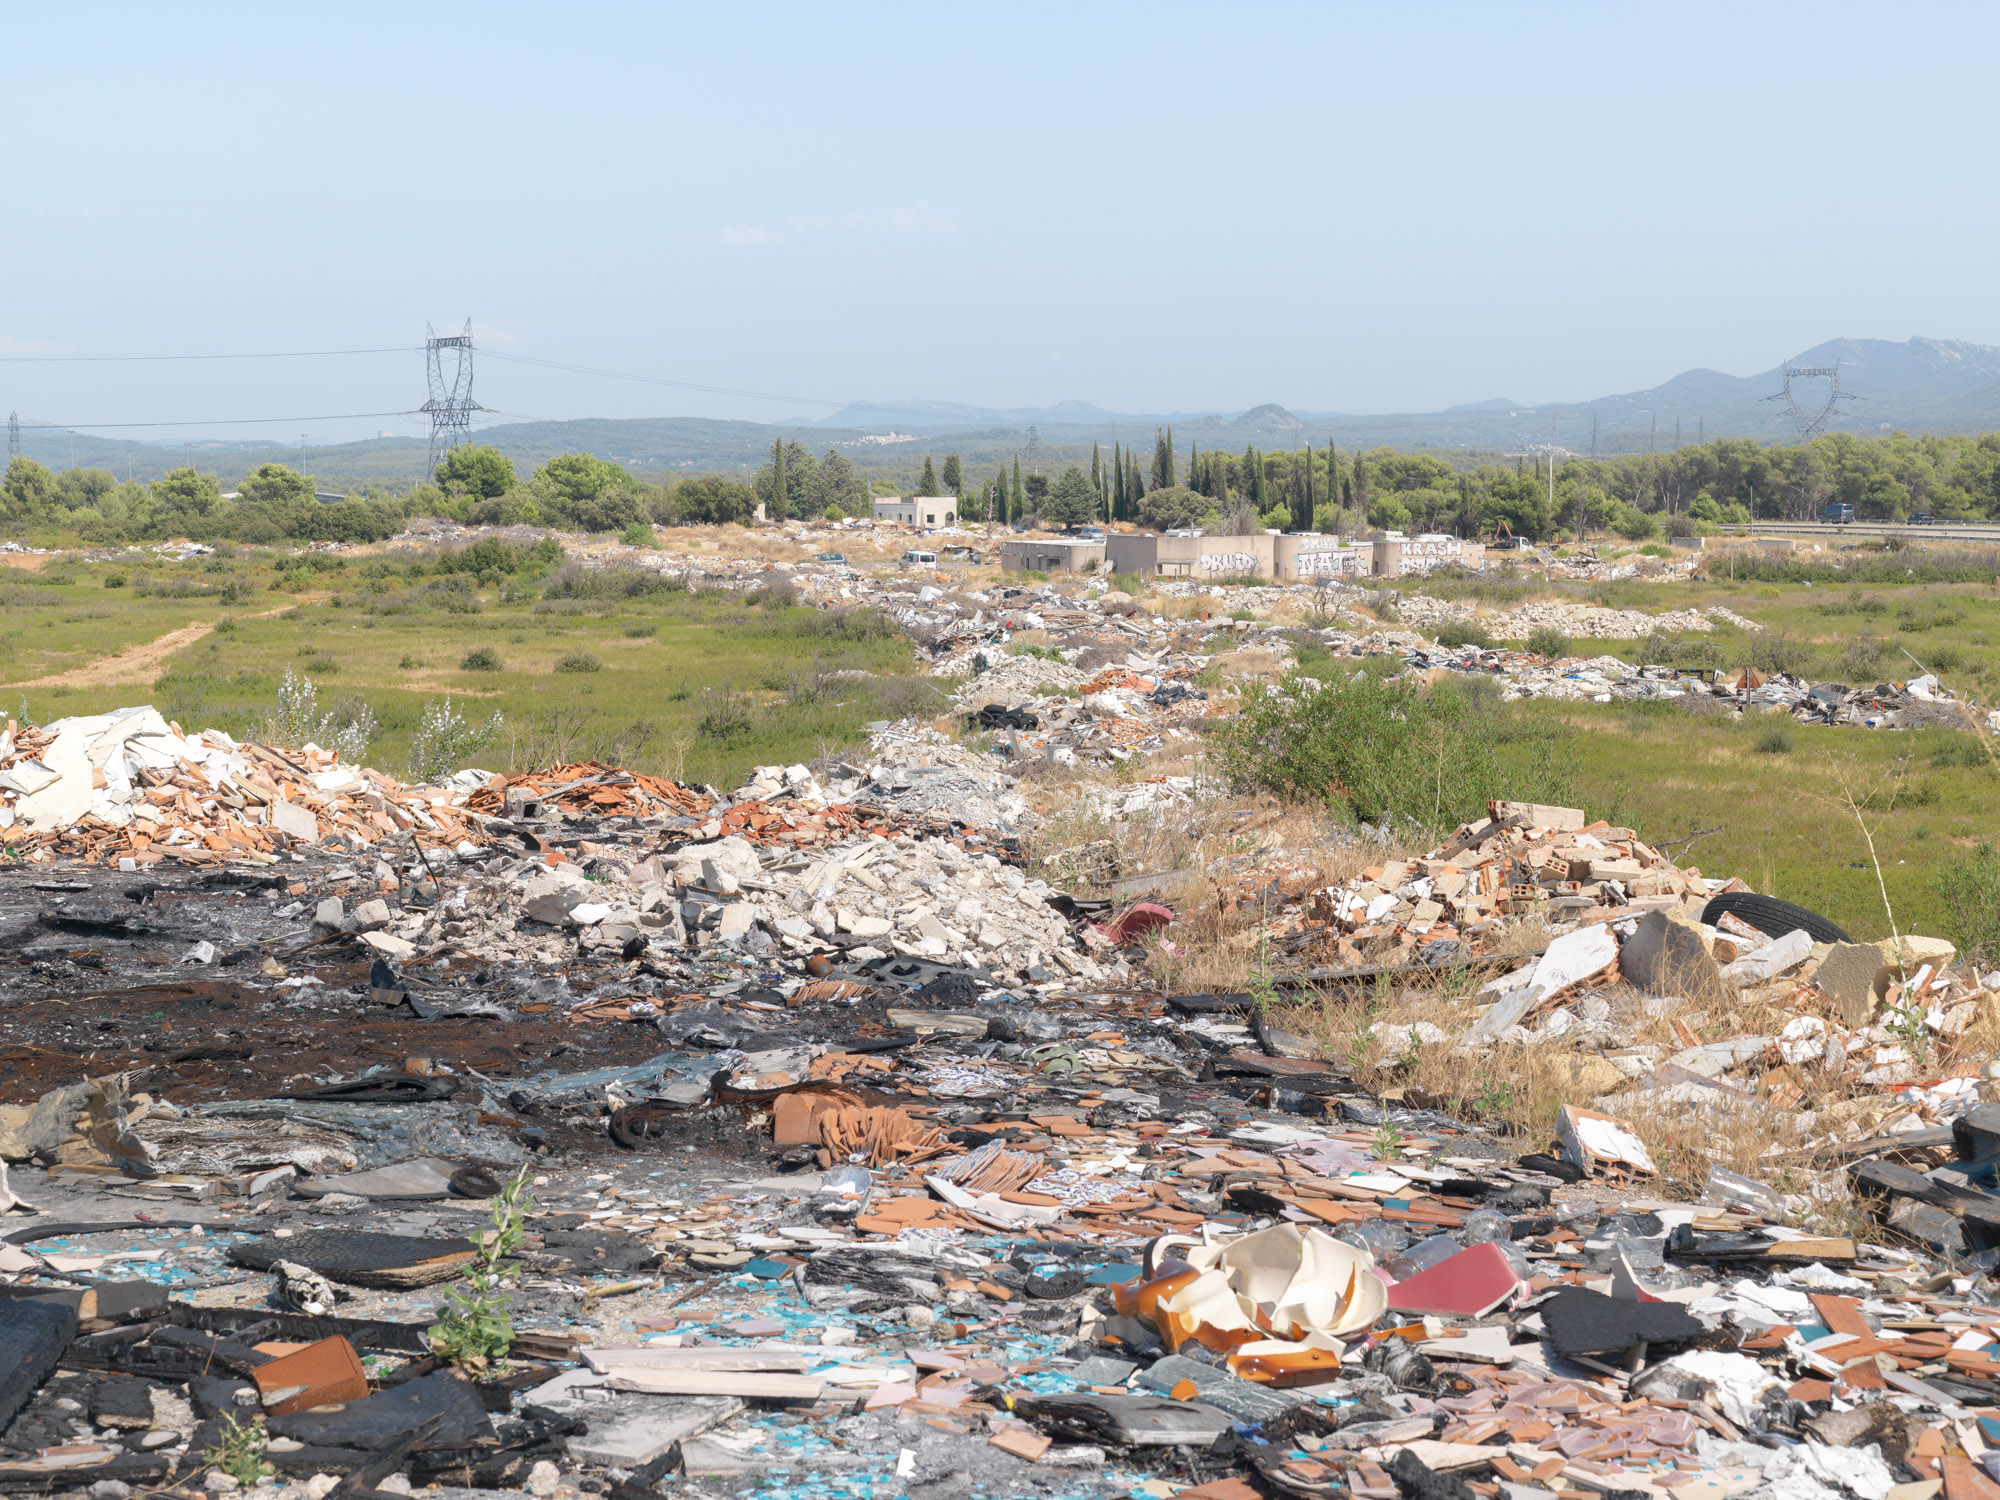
{"x": 475, "y": 1326}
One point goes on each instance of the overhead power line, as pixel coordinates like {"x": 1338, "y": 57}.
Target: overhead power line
{"x": 341, "y": 416}
{"x": 112, "y": 359}
{"x": 679, "y": 385}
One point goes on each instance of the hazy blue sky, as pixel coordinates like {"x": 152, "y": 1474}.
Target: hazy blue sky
{"x": 1148, "y": 207}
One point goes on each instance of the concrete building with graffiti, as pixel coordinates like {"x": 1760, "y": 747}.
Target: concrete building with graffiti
{"x": 1284, "y": 558}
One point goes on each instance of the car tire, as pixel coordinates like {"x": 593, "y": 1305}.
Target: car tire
{"x": 1772, "y": 917}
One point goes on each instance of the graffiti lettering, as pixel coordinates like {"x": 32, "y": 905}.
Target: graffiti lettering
{"x": 1328, "y": 564}
{"x": 1227, "y": 562}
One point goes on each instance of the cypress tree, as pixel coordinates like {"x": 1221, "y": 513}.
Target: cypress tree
{"x": 1096, "y": 467}
{"x": 1171, "y": 481}
{"x": 927, "y": 483}
{"x": 998, "y": 493}
{"x": 1117, "y": 482}
{"x": 1018, "y": 504}
{"x": 1260, "y": 495}
{"x": 781, "y": 495}
{"x": 1309, "y": 487}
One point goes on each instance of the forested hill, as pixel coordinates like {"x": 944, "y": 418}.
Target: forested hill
{"x": 1922, "y": 385}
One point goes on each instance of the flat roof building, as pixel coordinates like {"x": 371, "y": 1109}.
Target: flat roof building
{"x": 919, "y": 510}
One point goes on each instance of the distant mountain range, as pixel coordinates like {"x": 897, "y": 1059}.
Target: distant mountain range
{"x": 1932, "y": 384}
{"x": 1924, "y": 385}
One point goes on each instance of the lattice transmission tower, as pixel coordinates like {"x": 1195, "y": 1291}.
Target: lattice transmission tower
{"x": 1809, "y": 420}
{"x": 450, "y": 406}
{"x": 13, "y": 436}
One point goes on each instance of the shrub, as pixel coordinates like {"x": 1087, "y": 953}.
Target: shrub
{"x": 114, "y": 580}
{"x": 579, "y": 661}
{"x": 1968, "y": 889}
{"x": 724, "y": 716}
{"x": 446, "y": 740}
{"x": 1391, "y": 751}
{"x": 613, "y": 581}
{"x": 297, "y": 721}
{"x": 640, "y": 629}
{"x": 1546, "y": 640}
{"x": 1463, "y": 633}
{"x": 1128, "y": 583}
{"x": 482, "y": 659}
{"x": 1776, "y": 740}
{"x": 638, "y": 534}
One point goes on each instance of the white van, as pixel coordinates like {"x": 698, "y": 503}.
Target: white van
{"x": 915, "y": 559}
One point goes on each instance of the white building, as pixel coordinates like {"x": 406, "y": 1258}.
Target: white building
{"x": 919, "y": 510}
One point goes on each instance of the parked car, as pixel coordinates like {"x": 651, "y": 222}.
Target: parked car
{"x": 1833, "y": 513}
{"x": 830, "y": 557}
{"x": 918, "y": 559}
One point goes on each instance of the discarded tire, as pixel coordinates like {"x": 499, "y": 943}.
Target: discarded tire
{"x": 1773, "y": 917}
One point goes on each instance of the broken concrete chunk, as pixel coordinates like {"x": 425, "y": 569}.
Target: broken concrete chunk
{"x": 1779, "y": 956}
{"x": 1856, "y": 976}
{"x": 1667, "y": 957}
{"x": 293, "y": 822}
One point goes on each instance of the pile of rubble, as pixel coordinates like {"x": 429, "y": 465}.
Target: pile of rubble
{"x": 130, "y": 788}
{"x": 1587, "y": 621}
{"x": 620, "y": 1137}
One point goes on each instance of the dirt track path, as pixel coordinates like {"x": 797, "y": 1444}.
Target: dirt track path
{"x": 136, "y": 663}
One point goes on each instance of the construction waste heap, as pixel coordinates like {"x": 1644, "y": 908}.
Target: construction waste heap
{"x": 584, "y": 1132}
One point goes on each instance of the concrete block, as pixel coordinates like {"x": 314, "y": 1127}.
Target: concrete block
{"x": 1776, "y": 957}
{"x": 293, "y": 822}
{"x": 1856, "y": 976}
{"x": 627, "y": 1442}
{"x": 1538, "y": 815}
{"x": 370, "y": 916}
{"x": 1666, "y": 957}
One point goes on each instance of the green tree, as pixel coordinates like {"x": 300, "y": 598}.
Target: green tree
{"x": 476, "y": 469}
{"x": 28, "y": 487}
{"x": 840, "y": 483}
{"x": 954, "y": 475}
{"x": 1172, "y": 508}
{"x": 1119, "y": 509}
{"x": 1037, "y": 492}
{"x": 185, "y": 493}
{"x": 275, "y": 484}
{"x": 927, "y": 482}
{"x": 1073, "y": 500}
{"x": 1018, "y": 504}
{"x": 77, "y": 489}
{"x": 779, "y": 505}
{"x": 713, "y": 501}
{"x": 1096, "y": 466}
{"x": 572, "y": 477}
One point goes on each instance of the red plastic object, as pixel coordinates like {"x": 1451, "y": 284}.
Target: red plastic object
{"x": 1469, "y": 1285}
{"x": 1133, "y": 923}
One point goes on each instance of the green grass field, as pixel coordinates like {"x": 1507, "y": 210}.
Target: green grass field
{"x": 696, "y": 685}
{"x": 704, "y": 685}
